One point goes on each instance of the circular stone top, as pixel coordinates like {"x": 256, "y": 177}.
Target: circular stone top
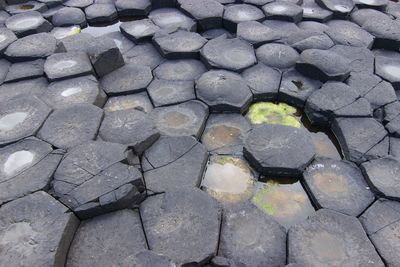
{"x": 278, "y": 150}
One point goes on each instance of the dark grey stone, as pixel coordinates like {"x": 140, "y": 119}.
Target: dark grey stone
{"x": 385, "y": 30}
{"x": 340, "y": 8}
{"x": 147, "y": 258}
{"x": 234, "y": 14}
{"x": 163, "y": 3}
{"x": 101, "y": 13}
{"x": 69, "y": 16}
{"x": 4, "y": 66}
{"x": 139, "y": 30}
{"x": 76, "y": 43}
{"x": 28, "y": 23}
{"x": 313, "y": 12}
{"x": 133, "y": 7}
{"x": 78, "y": 3}
{"x": 144, "y": 55}
{"x": 360, "y": 16}
{"x": 171, "y": 18}
{"x": 256, "y": 33}
{"x": 208, "y": 13}
{"x": 139, "y": 101}
{"x": 166, "y": 92}
{"x": 215, "y": 33}
{"x": 34, "y": 87}
{"x": 278, "y": 56}
{"x": 7, "y": 37}
{"x": 25, "y": 70}
{"x": 348, "y": 33}
{"x": 389, "y": 69}
{"x": 311, "y": 40}
{"x": 361, "y": 58}
{"x": 180, "y": 70}
{"x": 25, "y": 6}
{"x": 283, "y": 10}
{"x": 123, "y": 43}
{"x": 376, "y": 4}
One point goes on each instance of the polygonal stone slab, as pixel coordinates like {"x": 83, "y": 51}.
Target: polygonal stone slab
{"x": 215, "y": 33}
{"x": 25, "y": 6}
{"x": 348, "y": 33}
{"x": 279, "y": 150}
{"x": 385, "y": 30}
{"x": 130, "y": 78}
{"x": 277, "y": 55}
{"x": 180, "y": 70}
{"x": 166, "y": 92}
{"x": 67, "y": 65}
{"x": 338, "y": 185}
{"x": 73, "y": 125}
{"x": 101, "y": 13}
{"x": 147, "y": 258}
{"x": 79, "y": 90}
{"x": 92, "y": 180}
{"x": 27, "y": 166}
{"x": 21, "y": 117}
{"x": 362, "y": 15}
{"x": 234, "y": 14}
{"x": 310, "y": 39}
{"x": 388, "y": 69}
{"x": 174, "y": 162}
{"x": 330, "y": 238}
{"x": 144, "y": 55}
{"x": 223, "y": 91}
{"x": 182, "y": 225}
{"x": 171, "y": 18}
{"x": 283, "y": 11}
{"x": 183, "y": 119}
{"x": 46, "y": 226}
{"x": 361, "y": 58}
{"x": 246, "y": 228}
{"x": 376, "y": 4}
{"x": 340, "y": 8}
{"x": 96, "y": 234}
{"x": 131, "y": 127}
{"x": 208, "y": 13}
{"x": 383, "y": 176}
{"x": 7, "y": 37}
{"x": 256, "y": 33}
{"x": 4, "y": 66}
{"x": 140, "y": 101}
{"x": 78, "y": 3}
{"x": 123, "y": 43}
{"x": 25, "y": 70}
{"x": 69, "y": 16}
{"x": 133, "y": 7}
{"x": 76, "y": 42}
{"x": 139, "y": 30}
{"x": 232, "y": 54}
{"x": 28, "y": 23}
{"x": 31, "y": 47}
{"x": 313, "y": 12}
{"x": 33, "y": 87}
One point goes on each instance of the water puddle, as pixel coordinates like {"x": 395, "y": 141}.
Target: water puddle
{"x": 9, "y": 121}
{"x": 17, "y": 161}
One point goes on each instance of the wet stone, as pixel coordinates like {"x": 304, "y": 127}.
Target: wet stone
{"x": 130, "y": 78}
{"x": 234, "y": 14}
{"x": 381, "y": 222}
{"x": 283, "y": 10}
{"x": 69, "y": 16}
{"x": 252, "y": 237}
{"x": 36, "y": 230}
{"x": 331, "y": 238}
{"x": 182, "y": 225}
{"x": 208, "y": 13}
{"x": 223, "y": 91}
{"x": 338, "y": 185}
{"x": 144, "y": 55}
{"x": 271, "y": 113}
{"x": 388, "y": 69}
{"x": 70, "y": 126}
{"x": 25, "y": 6}
{"x": 361, "y": 58}
{"x": 32, "y": 87}
{"x": 256, "y": 33}
{"x": 139, "y": 101}
{"x": 139, "y": 30}
{"x": 147, "y": 258}
{"x": 170, "y": 18}
{"x": 21, "y": 117}
{"x": 231, "y": 54}
{"x": 130, "y": 127}
{"x": 277, "y": 150}
{"x": 179, "y": 44}
{"x": 278, "y": 56}
{"x": 313, "y": 12}
{"x": 323, "y": 65}
{"x": 383, "y": 176}
{"x": 7, "y": 37}
{"x": 79, "y": 90}
{"x": 96, "y": 236}
{"x": 187, "y": 119}
{"x": 101, "y": 13}
{"x": 92, "y": 179}
{"x": 180, "y": 70}
{"x": 133, "y": 7}
{"x": 67, "y": 65}
{"x": 26, "y": 167}
{"x": 25, "y": 70}
{"x": 340, "y": 8}
{"x": 284, "y": 200}
{"x": 224, "y": 133}
{"x": 76, "y": 42}
{"x": 28, "y": 23}
{"x": 166, "y": 92}
{"x": 31, "y": 47}
{"x": 174, "y": 162}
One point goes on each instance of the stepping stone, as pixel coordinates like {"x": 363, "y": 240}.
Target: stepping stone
{"x": 278, "y": 150}
{"x": 256, "y": 33}
{"x": 323, "y": 65}
{"x": 391, "y": 8}
{"x": 179, "y": 44}
{"x": 139, "y": 30}
{"x": 283, "y": 11}
{"x": 31, "y": 47}
{"x": 69, "y": 92}
{"x": 246, "y": 228}
{"x": 361, "y": 16}
{"x": 25, "y": 70}
{"x": 388, "y": 69}
{"x": 337, "y": 185}
{"x": 382, "y": 175}
{"x": 315, "y": 26}
{"x": 104, "y": 56}
{"x": 340, "y": 8}
{"x": 4, "y": 66}
{"x": 234, "y": 14}
{"x": 310, "y": 39}
{"x": 284, "y": 28}
{"x": 375, "y": 4}
{"x": 166, "y": 92}
{"x": 381, "y": 222}
{"x": 180, "y": 70}
{"x": 231, "y": 54}
{"x": 207, "y": 13}
{"x": 295, "y": 88}
{"x": 313, "y": 12}
{"x": 67, "y": 65}
{"x": 215, "y": 33}
{"x": 25, "y": 6}
{"x": 7, "y": 37}
{"x": 224, "y": 133}
{"x": 139, "y": 101}
{"x": 278, "y": 56}
{"x": 76, "y": 43}
{"x": 72, "y": 125}
{"x": 96, "y": 234}
{"x": 133, "y": 8}
{"x": 348, "y": 33}
{"x": 186, "y": 119}
{"x": 130, "y": 127}
{"x": 147, "y": 258}
{"x": 357, "y": 136}
{"x": 101, "y": 13}
{"x": 361, "y": 58}
{"x": 130, "y": 78}
{"x": 27, "y": 167}
{"x": 33, "y": 87}
{"x": 271, "y": 113}
{"x": 123, "y": 43}
{"x": 391, "y": 111}
{"x": 78, "y": 3}
{"x": 46, "y": 225}
{"x": 21, "y": 117}
{"x": 182, "y": 225}
{"x": 223, "y": 91}
{"x": 171, "y": 18}
{"x": 49, "y": 13}
{"x": 174, "y": 162}
{"x": 69, "y": 16}
{"x": 28, "y": 23}
{"x": 263, "y": 82}
{"x": 92, "y": 179}
{"x": 329, "y": 238}
{"x": 144, "y": 55}
{"x": 385, "y": 30}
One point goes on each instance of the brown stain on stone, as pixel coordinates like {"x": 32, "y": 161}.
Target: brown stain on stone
{"x": 221, "y": 135}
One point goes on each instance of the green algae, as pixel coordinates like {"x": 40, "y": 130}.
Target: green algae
{"x": 270, "y": 113}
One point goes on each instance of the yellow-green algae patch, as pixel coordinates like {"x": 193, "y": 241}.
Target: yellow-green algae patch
{"x": 270, "y": 113}
{"x": 228, "y": 179}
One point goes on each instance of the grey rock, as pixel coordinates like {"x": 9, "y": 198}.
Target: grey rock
{"x": 133, "y": 7}
{"x": 69, "y": 16}
{"x": 180, "y": 70}
{"x": 25, "y": 70}
{"x": 67, "y": 65}
{"x": 171, "y": 18}
{"x": 234, "y": 14}
{"x": 27, "y": 23}
{"x": 166, "y": 92}
{"x": 101, "y": 13}
{"x": 278, "y": 56}
{"x": 33, "y": 87}
{"x": 139, "y": 101}
{"x": 144, "y": 55}
{"x": 283, "y": 10}
{"x": 139, "y": 30}
{"x": 208, "y": 13}
{"x": 7, "y": 37}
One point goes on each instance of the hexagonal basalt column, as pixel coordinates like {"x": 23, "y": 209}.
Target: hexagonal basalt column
{"x": 208, "y": 13}
{"x": 28, "y": 23}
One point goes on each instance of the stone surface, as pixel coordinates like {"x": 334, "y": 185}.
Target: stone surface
{"x": 7, "y": 37}
{"x": 283, "y": 11}
{"x": 133, "y": 7}
{"x": 31, "y": 87}
{"x": 67, "y": 65}
{"x": 277, "y": 55}
{"x": 208, "y": 13}
{"x": 167, "y": 92}
{"x": 388, "y": 69}
{"x": 25, "y": 70}
{"x": 234, "y": 14}
{"x": 171, "y": 18}
{"x": 180, "y": 70}
{"x": 101, "y": 13}
{"x": 139, "y": 101}
{"x": 139, "y": 30}
{"x": 69, "y": 16}
{"x": 28, "y": 23}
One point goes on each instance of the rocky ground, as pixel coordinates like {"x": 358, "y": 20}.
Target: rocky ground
{"x": 199, "y": 133}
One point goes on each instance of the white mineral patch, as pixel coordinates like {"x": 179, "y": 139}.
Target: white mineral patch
{"x": 17, "y": 161}
{"x": 71, "y": 91}
{"x": 9, "y": 121}
{"x": 64, "y": 64}
{"x": 26, "y": 23}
